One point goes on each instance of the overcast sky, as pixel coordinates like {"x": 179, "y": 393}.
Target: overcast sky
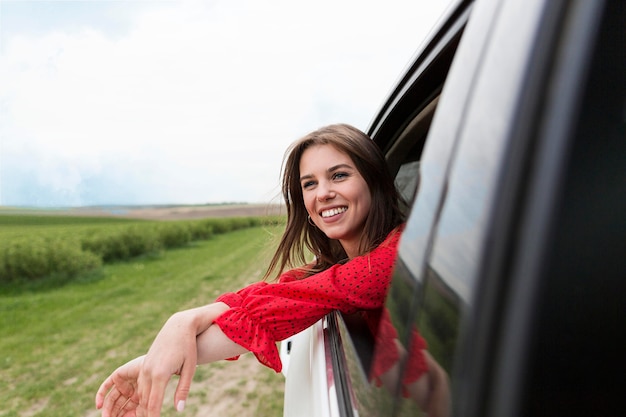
{"x": 185, "y": 102}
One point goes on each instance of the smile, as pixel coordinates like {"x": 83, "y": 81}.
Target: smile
{"x": 333, "y": 212}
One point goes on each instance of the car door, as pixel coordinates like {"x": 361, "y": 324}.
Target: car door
{"x": 481, "y": 132}
{"x": 493, "y": 288}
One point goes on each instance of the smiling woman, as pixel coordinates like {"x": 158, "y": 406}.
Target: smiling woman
{"x": 338, "y": 177}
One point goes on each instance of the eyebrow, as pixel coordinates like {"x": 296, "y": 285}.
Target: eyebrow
{"x": 336, "y": 167}
{"x": 331, "y": 169}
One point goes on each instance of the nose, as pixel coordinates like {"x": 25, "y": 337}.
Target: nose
{"x": 325, "y": 191}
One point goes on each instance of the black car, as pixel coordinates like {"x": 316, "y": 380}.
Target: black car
{"x": 507, "y": 135}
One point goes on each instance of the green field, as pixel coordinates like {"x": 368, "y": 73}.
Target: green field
{"x": 59, "y": 343}
{"x": 46, "y": 251}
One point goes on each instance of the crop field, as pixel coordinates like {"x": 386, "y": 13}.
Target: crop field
{"x": 62, "y": 247}
{"x": 65, "y": 329}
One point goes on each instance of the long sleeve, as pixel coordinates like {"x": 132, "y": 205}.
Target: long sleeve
{"x": 265, "y": 313}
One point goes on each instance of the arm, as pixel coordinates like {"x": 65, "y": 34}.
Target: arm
{"x": 214, "y": 345}
{"x": 273, "y": 312}
{"x": 293, "y": 296}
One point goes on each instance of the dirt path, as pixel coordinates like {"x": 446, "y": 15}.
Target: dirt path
{"x": 241, "y": 388}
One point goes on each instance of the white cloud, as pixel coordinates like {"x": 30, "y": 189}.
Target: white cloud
{"x": 196, "y": 100}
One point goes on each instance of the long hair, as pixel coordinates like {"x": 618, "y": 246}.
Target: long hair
{"x": 300, "y": 236}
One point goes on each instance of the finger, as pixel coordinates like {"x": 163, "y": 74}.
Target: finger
{"x": 112, "y": 403}
{"x": 109, "y": 402}
{"x": 155, "y": 396}
{"x": 103, "y": 390}
{"x": 122, "y": 406}
{"x": 184, "y": 384}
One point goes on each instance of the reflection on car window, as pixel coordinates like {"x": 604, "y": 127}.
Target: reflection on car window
{"x": 463, "y": 216}
{"x": 376, "y": 362}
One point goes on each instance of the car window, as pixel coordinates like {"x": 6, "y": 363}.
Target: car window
{"x": 404, "y": 156}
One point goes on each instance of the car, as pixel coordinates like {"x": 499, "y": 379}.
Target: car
{"x": 507, "y": 136}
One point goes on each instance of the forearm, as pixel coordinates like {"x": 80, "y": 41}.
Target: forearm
{"x": 213, "y": 345}
{"x": 198, "y": 319}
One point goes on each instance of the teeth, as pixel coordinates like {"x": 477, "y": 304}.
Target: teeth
{"x": 333, "y": 212}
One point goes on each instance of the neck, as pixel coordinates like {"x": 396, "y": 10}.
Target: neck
{"x": 351, "y": 248}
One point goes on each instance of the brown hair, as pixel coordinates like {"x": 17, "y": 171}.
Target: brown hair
{"x": 385, "y": 213}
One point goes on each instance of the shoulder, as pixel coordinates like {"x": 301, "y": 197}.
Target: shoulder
{"x": 295, "y": 274}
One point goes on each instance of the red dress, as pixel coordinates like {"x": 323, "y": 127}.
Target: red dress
{"x": 264, "y": 313}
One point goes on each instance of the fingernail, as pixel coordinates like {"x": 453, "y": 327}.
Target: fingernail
{"x": 180, "y": 406}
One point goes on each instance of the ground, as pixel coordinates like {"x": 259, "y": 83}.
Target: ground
{"x": 242, "y": 388}
{"x": 229, "y": 388}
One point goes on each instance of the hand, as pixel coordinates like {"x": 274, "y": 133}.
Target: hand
{"x": 139, "y": 385}
{"x": 173, "y": 352}
{"x": 121, "y": 386}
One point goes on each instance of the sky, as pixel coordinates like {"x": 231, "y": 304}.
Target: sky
{"x": 142, "y": 102}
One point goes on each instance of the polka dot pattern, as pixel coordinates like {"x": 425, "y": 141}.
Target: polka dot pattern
{"x": 264, "y": 313}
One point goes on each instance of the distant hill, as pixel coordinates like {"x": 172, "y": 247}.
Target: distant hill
{"x": 158, "y": 212}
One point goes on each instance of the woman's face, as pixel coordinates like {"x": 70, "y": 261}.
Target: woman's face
{"x": 335, "y": 195}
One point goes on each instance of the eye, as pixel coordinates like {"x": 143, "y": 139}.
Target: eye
{"x": 338, "y": 176}
{"x": 307, "y": 184}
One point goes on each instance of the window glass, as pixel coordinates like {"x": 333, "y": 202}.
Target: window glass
{"x": 375, "y": 363}
{"x": 408, "y": 179}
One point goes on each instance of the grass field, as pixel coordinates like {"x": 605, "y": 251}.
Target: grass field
{"x": 26, "y": 226}
{"x": 58, "y": 345}
{"x": 46, "y": 251}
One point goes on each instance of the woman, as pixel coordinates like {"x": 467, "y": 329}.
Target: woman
{"x": 343, "y": 207}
